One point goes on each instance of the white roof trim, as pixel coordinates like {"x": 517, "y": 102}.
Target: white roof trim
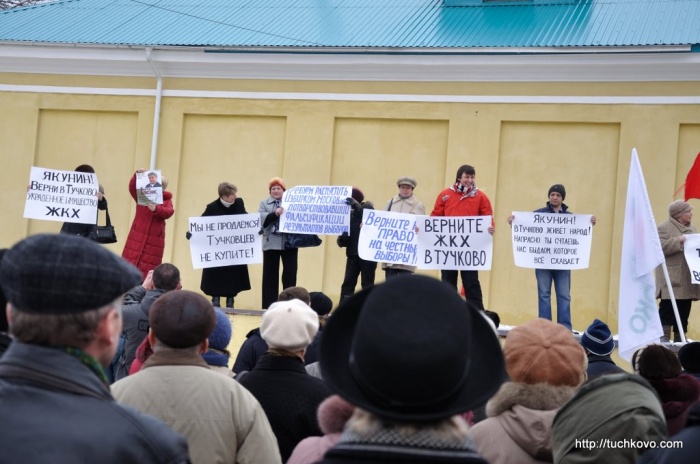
{"x": 195, "y": 63}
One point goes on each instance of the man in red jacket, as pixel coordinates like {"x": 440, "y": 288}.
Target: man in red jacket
{"x": 463, "y": 198}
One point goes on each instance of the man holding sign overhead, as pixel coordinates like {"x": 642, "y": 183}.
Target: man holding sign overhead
{"x": 463, "y": 198}
{"x": 560, "y": 277}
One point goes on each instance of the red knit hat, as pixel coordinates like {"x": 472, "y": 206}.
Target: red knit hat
{"x": 277, "y": 181}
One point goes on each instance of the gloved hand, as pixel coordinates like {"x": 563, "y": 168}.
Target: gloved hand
{"x": 349, "y": 201}
{"x": 188, "y": 235}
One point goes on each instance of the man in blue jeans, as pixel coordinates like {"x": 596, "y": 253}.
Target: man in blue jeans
{"x": 560, "y": 277}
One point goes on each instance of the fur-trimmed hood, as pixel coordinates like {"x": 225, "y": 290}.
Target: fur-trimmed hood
{"x": 539, "y": 397}
{"x": 519, "y": 426}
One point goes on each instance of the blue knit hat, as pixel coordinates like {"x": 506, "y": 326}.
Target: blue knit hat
{"x": 597, "y": 339}
{"x": 221, "y": 336}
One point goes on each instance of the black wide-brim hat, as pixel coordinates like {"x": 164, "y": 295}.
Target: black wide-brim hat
{"x": 411, "y": 350}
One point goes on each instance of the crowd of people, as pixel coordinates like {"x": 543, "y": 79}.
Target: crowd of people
{"x": 111, "y": 357}
{"x": 403, "y": 371}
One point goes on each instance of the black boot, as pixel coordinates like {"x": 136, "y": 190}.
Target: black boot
{"x": 215, "y": 301}
{"x": 229, "y": 302}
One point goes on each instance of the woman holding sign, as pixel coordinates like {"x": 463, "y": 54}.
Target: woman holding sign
{"x": 75, "y": 228}
{"x": 274, "y": 246}
{"x": 225, "y": 281}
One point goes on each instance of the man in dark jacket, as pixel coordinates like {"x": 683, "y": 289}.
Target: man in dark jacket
{"x": 137, "y": 303}
{"x": 64, "y": 295}
{"x": 288, "y": 395}
{"x": 354, "y": 265}
{"x": 599, "y": 344}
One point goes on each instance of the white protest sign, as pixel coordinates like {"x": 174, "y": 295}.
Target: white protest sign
{"x": 66, "y": 196}
{"x": 455, "y": 243}
{"x": 552, "y": 240}
{"x": 149, "y": 188}
{"x": 691, "y": 249}
{"x": 388, "y": 237}
{"x": 319, "y": 210}
{"x": 225, "y": 240}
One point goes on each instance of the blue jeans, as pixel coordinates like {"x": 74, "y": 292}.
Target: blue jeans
{"x": 562, "y": 285}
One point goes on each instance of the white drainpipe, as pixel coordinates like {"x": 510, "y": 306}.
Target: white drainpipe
{"x": 156, "y": 116}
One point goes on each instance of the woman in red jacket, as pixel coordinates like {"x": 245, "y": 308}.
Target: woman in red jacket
{"x": 146, "y": 241}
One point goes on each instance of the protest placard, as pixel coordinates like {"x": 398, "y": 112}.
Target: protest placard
{"x": 149, "y": 188}
{"x": 319, "y": 210}
{"x": 455, "y": 243}
{"x": 691, "y": 249}
{"x": 388, "y": 237}
{"x": 66, "y": 196}
{"x": 552, "y": 241}
{"x": 225, "y": 240}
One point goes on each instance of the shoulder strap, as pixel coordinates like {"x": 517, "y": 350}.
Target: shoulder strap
{"x": 42, "y": 378}
{"x": 97, "y": 218}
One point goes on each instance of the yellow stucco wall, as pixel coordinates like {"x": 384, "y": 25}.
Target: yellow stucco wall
{"x": 518, "y": 150}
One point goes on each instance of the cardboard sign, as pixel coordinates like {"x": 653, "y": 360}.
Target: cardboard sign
{"x": 552, "y": 240}
{"x": 691, "y": 250}
{"x": 388, "y": 237}
{"x": 225, "y": 240}
{"x": 65, "y": 196}
{"x": 455, "y": 243}
{"x": 319, "y": 210}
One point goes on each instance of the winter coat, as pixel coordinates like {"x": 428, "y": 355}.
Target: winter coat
{"x": 135, "y": 309}
{"x": 678, "y": 270}
{"x": 687, "y": 453}
{"x": 519, "y": 424}
{"x": 333, "y": 414}
{"x": 271, "y": 241}
{"x": 601, "y": 365}
{"x": 69, "y": 416}
{"x": 222, "y": 421}
{"x": 614, "y": 407}
{"x": 678, "y": 396}
{"x": 289, "y": 396}
{"x": 75, "y": 228}
{"x": 409, "y": 205}
{"x": 225, "y": 281}
{"x": 351, "y": 241}
{"x": 451, "y": 203}
{"x": 389, "y": 446}
{"x": 146, "y": 241}
{"x": 251, "y": 350}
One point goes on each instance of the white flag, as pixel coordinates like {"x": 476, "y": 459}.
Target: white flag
{"x": 638, "y": 322}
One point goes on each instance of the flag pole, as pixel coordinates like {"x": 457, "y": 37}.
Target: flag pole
{"x": 673, "y": 302}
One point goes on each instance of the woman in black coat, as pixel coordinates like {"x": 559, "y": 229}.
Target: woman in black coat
{"x": 225, "y": 281}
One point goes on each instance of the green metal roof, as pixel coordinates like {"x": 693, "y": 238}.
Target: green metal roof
{"x": 360, "y": 25}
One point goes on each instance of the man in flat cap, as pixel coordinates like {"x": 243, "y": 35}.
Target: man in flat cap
{"x": 287, "y": 393}
{"x": 407, "y": 203}
{"x": 672, "y": 236}
{"x": 222, "y": 421}
{"x": 561, "y": 278}
{"x": 64, "y": 310}
{"x": 137, "y": 304}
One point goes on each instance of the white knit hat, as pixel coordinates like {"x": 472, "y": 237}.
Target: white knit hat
{"x": 291, "y": 325}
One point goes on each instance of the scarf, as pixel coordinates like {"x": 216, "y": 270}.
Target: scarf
{"x": 88, "y": 361}
{"x": 466, "y": 192}
{"x": 215, "y": 357}
{"x": 276, "y": 224}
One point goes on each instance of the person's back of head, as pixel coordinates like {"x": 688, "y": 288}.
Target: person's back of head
{"x": 689, "y": 357}
{"x": 219, "y": 339}
{"x": 60, "y": 288}
{"x": 658, "y": 362}
{"x": 181, "y": 320}
{"x": 399, "y": 367}
{"x": 597, "y": 339}
{"x": 288, "y": 327}
{"x": 541, "y": 351}
{"x": 295, "y": 293}
{"x": 166, "y": 277}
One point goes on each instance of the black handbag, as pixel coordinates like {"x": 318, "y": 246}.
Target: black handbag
{"x": 103, "y": 234}
{"x": 301, "y": 241}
